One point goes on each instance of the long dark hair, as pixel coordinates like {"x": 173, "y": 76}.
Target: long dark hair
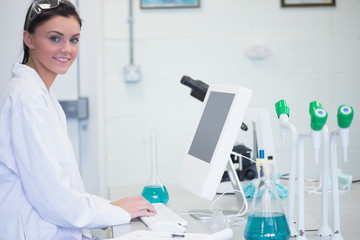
{"x": 65, "y": 9}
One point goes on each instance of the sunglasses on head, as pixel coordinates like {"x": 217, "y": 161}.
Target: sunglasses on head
{"x": 38, "y": 6}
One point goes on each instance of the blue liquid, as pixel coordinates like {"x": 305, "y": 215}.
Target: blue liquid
{"x": 262, "y": 226}
{"x": 156, "y": 194}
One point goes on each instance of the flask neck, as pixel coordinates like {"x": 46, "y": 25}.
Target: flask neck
{"x": 266, "y": 172}
{"x": 153, "y": 149}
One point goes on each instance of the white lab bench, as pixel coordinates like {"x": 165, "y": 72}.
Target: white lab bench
{"x": 181, "y": 201}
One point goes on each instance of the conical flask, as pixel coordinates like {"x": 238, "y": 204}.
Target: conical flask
{"x": 266, "y": 218}
{"x": 154, "y": 191}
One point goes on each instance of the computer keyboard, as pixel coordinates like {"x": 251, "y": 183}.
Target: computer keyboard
{"x": 166, "y": 220}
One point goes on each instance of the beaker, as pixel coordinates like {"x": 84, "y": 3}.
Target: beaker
{"x": 266, "y": 218}
{"x": 154, "y": 191}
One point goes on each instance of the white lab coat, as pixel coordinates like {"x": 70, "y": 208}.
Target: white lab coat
{"x": 42, "y": 195}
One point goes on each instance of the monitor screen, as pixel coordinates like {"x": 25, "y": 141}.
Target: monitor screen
{"x": 213, "y": 118}
{"x": 213, "y": 139}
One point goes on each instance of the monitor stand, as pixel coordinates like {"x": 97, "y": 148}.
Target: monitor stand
{"x": 241, "y": 203}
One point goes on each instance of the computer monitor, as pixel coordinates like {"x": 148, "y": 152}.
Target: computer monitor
{"x": 208, "y": 154}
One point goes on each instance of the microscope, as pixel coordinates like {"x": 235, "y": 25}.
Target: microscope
{"x": 262, "y": 135}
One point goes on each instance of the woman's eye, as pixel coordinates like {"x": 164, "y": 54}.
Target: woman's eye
{"x": 74, "y": 40}
{"x": 54, "y": 39}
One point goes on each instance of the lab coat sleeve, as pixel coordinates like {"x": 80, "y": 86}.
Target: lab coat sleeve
{"x": 48, "y": 180}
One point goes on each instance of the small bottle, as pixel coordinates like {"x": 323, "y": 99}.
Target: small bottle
{"x": 266, "y": 218}
{"x": 154, "y": 191}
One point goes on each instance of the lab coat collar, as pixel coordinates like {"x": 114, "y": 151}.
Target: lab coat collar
{"x": 20, "y": 70}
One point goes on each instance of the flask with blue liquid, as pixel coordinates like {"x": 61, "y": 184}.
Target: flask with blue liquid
{"x": 154, "y": 191}
{"x": 266, "y": 218}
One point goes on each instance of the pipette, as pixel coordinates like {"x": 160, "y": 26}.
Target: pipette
{"x": 345, "y": 116}
{"x": 318, "y": 120}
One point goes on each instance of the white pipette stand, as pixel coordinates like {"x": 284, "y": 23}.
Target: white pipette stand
{"x": 318, "y": 120}
{"x": 335, "y": 187}
{"x": 319, "y": 132}
{"x": 345, "y": 116}
{"x": 282, "y": 110}
{"x": 324, "y": 230}
{"x": 301, "y": 188}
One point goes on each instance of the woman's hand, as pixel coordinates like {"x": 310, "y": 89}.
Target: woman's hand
{"x": 136, "y": 206}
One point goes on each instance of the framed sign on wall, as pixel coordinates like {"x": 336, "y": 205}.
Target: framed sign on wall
{"x": 307, "y": 3}
{"x": 169, "y": 3}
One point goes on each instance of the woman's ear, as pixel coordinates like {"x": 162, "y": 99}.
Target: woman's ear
{"x": 28, "y": 39}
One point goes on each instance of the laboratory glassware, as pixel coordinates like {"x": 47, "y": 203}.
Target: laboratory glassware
{"x": 266, "y": 219}
{"x": 154, "y": 191}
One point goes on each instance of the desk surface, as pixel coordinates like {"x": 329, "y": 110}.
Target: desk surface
{"x": 181, "y": 201}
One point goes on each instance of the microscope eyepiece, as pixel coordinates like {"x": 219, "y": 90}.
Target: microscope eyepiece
{"x": 199, "y": 88}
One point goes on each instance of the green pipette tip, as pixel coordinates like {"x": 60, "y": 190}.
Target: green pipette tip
{"x": 345, "y": 116}
{"x": 282, "y": 108}
{"x": 318, "y": 115}
{"x": 314, "y": 105}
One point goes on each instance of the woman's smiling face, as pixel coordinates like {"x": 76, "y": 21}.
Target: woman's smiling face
{"x": 53, "y": 46}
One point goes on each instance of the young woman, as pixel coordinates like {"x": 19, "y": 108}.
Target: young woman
{"x": 42, "y": 195}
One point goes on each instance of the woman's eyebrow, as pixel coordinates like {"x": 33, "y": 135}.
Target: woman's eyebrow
{"x": 61, "y": 34}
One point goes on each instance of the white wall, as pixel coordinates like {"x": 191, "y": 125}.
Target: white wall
{"x": 314, "y": 55}
{"x": 11, "y": 21}
{"x": 93, "y": 166}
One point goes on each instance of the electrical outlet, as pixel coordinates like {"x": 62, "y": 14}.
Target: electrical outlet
{"x": 132, "y": 74}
